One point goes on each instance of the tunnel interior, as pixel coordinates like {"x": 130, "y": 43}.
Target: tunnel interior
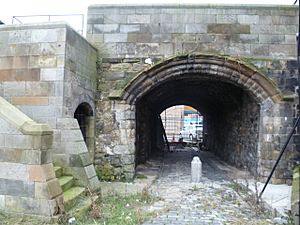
{"x": 231, "y": 115}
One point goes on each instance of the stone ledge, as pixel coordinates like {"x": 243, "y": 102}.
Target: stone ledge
{"x": 193, "y": 6}
{"x": 33, "y": 128}
{"x": 116, "y": 94}
{"x": 289, "y": 98}
{"x": 126, "y": 189}
{"x": 21, "y": 121}
{"x": 45, "y": 25}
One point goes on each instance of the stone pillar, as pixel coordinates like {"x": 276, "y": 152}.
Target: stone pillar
{"x": 196, "y": 169}
{"x": 123, "y": 142}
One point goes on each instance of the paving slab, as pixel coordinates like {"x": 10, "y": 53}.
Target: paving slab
{"x": 277, "y": 196}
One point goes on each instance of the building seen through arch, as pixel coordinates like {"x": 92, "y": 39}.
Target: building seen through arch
{"x": 182, "y": 122}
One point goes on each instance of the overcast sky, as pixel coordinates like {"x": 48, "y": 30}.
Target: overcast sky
{"x": 10, "y": 8}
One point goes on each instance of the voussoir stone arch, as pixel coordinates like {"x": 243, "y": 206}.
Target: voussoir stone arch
{"x": 207, "y": 67}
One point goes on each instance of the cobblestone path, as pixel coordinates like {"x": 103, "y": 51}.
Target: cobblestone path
{"x": 213, "y": 201}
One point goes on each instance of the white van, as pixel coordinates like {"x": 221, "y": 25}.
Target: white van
{"x": 192, "y": 132}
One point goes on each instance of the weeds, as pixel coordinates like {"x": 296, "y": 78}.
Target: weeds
{"x": 250, "y": 198}
{"x": 111, "y": 210}
{"x": 120, "y": 210}
{"x": 140, "y": 176}
{"x": 195, "y": 188}
{"x": 107, "y": 172}
{"x": 96, "y": 211}
{"x": 238, "y": 188}
{"x": 7, "y": 219}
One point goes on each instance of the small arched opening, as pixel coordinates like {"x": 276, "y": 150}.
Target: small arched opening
{"x": 84, "y": 115}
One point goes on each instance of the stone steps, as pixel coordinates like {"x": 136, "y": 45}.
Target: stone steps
{"x": 82, "y": 207}
{"x": 72, "y": 196}
{"x": 66, "y": 182}
{"x": 75, "y": 200}
{"x": 58, "y": 171}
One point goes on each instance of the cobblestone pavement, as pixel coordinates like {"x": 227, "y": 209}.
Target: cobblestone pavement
{"x": 213, "y": 201}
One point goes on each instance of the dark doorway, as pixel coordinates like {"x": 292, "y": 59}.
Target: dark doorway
{"x": 85, "y": 118}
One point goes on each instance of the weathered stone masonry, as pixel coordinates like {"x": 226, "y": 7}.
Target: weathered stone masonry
{"x": 262, "y": 37}
{"x": 48, "y": 71}
{"x": 27, "y": 179}
{"x": 235, "y": 64}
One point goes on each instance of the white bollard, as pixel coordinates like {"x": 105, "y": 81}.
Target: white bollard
{"x": 196, "y": 169}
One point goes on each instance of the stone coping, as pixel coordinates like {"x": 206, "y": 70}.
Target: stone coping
{"x": 21, "y": 121}
{"x": 192, "y": 6}
{"x": 43, "y": 26}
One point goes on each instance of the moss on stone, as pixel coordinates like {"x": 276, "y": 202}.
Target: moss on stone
{"x": 123, "y": 83}
{"x": 288, "y": 98}
{"x": 248, "y": 62}
{"x": 228, "y": 28}
{"x": 115, "y": 94}
{"x": 107, "y": 172}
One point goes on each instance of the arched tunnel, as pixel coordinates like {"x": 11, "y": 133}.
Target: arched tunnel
{"x": 231, "y": 117}
{"x": 235, "y": 99}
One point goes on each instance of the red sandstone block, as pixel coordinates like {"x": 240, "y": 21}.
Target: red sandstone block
{"x": 30, "y": 100}
{"x": 20, "y": 75}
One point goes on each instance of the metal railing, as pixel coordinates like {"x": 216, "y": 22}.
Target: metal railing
{"x": 50, "y": 18}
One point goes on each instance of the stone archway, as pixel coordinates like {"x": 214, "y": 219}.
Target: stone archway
{"x": 235, "y": 97}
{"x": 204, "y": 66}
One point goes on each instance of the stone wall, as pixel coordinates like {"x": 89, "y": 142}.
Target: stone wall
{"x": 126, "y": 35}
{"x": 115, "y": 142}
{"x": 27, "y": 179}
{"x": 47, "y": 70}
{"x": 79, "y": 85}
{"x": 263, "y": 37}
{"x": 130, "y": 31}
{"x": 238, "y": 145}
{"x": 32, "y": 69}
{"x": 277, "y": 126}
{"x": 80, "y": 73}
